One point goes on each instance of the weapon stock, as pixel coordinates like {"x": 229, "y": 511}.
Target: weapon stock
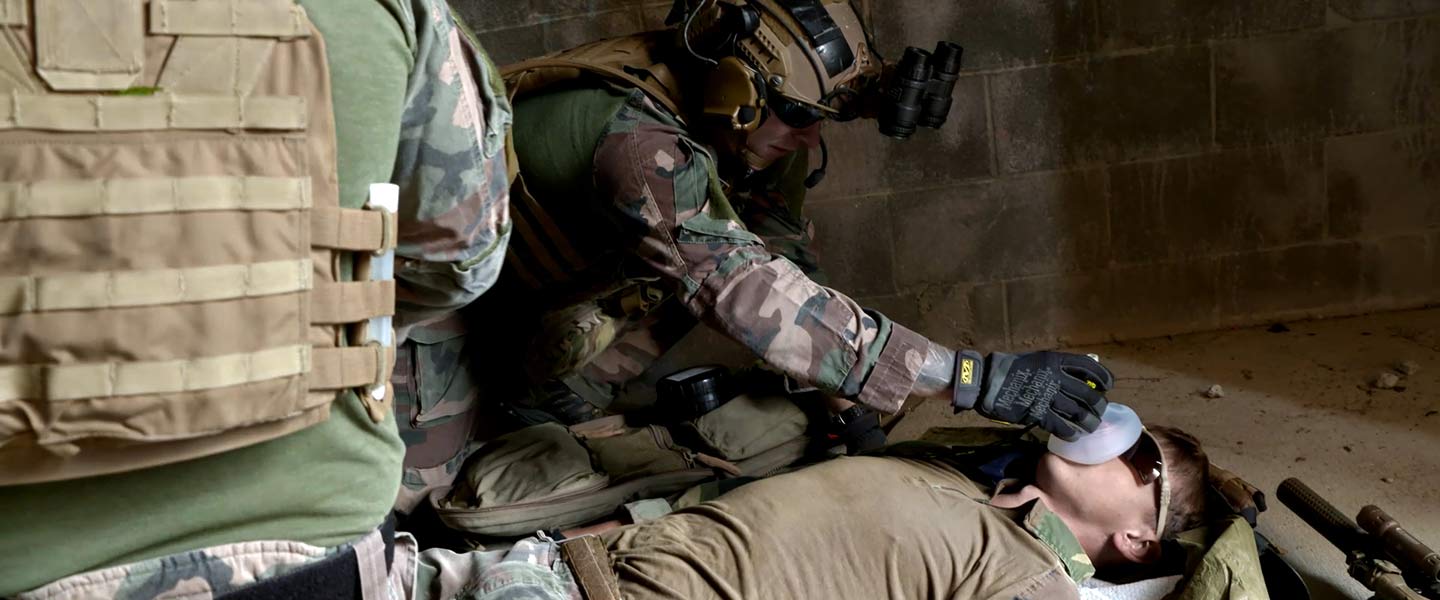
{"x": 1381, "y": 555}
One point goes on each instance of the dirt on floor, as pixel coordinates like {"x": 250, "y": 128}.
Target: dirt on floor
{"x": 1296, "y": 400}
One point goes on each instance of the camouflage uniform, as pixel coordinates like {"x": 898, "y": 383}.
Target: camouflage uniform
{"x": 416, "y": 103}
{"x": 636, "y": 205}
{"x": 626, "y": 194}
{"x": 530, "y": 570}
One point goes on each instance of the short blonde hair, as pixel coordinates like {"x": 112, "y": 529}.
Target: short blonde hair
{"x": 1188, "y": 470}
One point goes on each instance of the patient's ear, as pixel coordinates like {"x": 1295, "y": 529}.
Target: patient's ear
{"x": 1139, "y": 546}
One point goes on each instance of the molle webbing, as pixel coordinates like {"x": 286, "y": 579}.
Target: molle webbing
{"x": 632, "y": 61}
{"x": 178, "y": 280}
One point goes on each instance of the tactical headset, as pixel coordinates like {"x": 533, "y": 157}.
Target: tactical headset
{"x": 807, "y": 60}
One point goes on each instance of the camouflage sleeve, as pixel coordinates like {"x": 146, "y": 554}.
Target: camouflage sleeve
{"x": 454, "y": 192}
{"x": 773, "y": 212}
{"x": 665, "y": 193}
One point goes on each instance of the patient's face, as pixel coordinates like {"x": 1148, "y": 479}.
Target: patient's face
{"x": 1107, "y": 495}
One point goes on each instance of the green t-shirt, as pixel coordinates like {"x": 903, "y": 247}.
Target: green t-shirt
{"x": 325, "y": 485}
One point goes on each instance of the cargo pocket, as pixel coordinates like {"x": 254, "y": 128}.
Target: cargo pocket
{"x": 540, "y": 477}
{"x": 749, "y": 425}
{"x": 640, "y": 452}
{"x": 440, "y": 381}
{"x": 534, "y": 464}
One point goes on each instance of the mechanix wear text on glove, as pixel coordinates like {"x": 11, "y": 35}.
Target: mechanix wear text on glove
{"x": 1062, "y": 393}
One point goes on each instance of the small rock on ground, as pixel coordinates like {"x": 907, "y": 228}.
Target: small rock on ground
{"x": 1215, "y": 391}
{"x": 1408, "y": 368}
{"x": 1386, "y": 381}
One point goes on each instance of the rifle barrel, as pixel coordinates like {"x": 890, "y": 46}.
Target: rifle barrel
{"x": 1320, "y": 515}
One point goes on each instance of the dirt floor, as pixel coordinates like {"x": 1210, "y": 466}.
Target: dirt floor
{"x": 1298, "y": 402}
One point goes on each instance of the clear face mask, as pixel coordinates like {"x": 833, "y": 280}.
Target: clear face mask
{"x": 1119, "y": 429}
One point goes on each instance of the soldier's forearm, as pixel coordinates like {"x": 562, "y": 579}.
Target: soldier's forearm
{"x": 937, "y": 373}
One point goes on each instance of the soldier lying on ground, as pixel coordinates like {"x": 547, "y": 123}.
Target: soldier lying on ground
{"x": 910, "y": 524}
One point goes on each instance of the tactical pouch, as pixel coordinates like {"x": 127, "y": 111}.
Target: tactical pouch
{"x": 749, "y": 425}
{"x": 546, "y": 476}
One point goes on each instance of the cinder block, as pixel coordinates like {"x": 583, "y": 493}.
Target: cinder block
{"x": 562, "y": 34}
{"x": 1116, "y": 109}
{"x": 573, "y": 8}
{"x": 1132, "y": 23}
{"x": 963, "y": 316}
{"x": 1119, "y": 303}
{"x": 508, "y": 46}
{"x": 1399, "y": 272}
{"x": 1297, "y": 281}
{"x": 1368, "y": 77}
{"x": 954, "y": 316}
{"x": 489, "y": 15}
{"x": 854, "y": 241}
{"x": 1384, "y": 9}
{"x": 1384, "y": 183}
{"x": 1215, "y": 203}
{"x": 864, "y": 161}
{"x": 1002, "y": 229}
{"x": 994, "y": 34}
{"x": 901, "y": 308}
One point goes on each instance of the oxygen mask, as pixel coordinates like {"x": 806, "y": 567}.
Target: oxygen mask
{"x": 1119, "y": 429}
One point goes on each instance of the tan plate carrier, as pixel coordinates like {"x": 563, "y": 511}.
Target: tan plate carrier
{"x": 176, "y": 267}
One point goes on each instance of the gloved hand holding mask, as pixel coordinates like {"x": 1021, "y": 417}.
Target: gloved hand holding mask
{"x": 1062, "y": 393}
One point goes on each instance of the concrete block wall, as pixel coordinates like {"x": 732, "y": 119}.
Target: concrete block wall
{"x": 1116, "y": 169}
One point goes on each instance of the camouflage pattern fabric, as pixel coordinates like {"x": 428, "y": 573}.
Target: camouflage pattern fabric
{"x": 773, "y": 209}
{"x": 1224, "y": 562}
{"x": 530, "y": 570}
{"x": 454, "y": 189}
{"x": 454, "y": 227}
{"x": 436, "y": 400}
{"x": 665, "y": 207}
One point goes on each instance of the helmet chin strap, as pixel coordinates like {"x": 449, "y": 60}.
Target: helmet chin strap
{"x": 818, "y": 174}
{"x": 754, "y": 164}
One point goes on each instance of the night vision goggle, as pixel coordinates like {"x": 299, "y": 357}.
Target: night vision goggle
{"x": 809, "y": 60}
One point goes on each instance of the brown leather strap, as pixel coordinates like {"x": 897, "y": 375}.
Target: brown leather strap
{"x": 352, "y": 301}
{"x": 352, "y": 229}
{"x": 589, "y": 560}
{"x": 350, "y": 367}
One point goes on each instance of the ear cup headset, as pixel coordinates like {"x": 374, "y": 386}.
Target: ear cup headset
{"x": 803, "y": 61}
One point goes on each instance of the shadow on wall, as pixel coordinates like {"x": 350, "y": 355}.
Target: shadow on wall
{"x": 984, "y": 241}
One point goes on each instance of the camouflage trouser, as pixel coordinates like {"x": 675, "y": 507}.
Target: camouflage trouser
{"x": 530, "y": 570}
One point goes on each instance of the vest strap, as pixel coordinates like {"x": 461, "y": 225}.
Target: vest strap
{"x": 161, "y": 111}
{"x": 99, "y": 197}
{"x": 352, "y": 301}
{"x": 351, "y": 367}
{"x": 117, "y": 289}
{"x": 58, "y": 383}
{"x": 251, "y": 18}
{"x": 352, "y": 229}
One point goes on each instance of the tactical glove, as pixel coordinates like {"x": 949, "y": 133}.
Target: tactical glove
{"x": 1062, "y": 393}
